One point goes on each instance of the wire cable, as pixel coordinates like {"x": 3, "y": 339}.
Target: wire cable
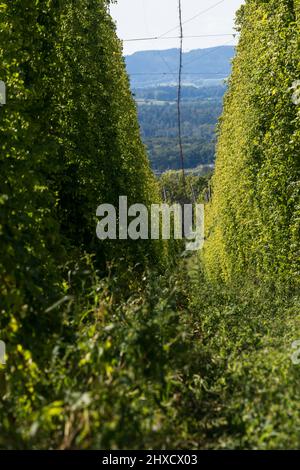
{"x": 157, "y": 38}
{"x": 179, "y": 96}
{"x": 192, "y": 18}
{"x": 173, "y": 73}
{"x": 212, "y": 51}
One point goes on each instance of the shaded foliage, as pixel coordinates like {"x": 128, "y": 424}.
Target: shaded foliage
{"x": 69, "y": 142}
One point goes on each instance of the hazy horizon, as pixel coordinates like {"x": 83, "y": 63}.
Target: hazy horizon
{"x": 177, "y": 48}
{"x": 152, "y": 18}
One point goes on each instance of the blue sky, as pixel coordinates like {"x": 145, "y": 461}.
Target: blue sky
{"x": 144, "y": 18}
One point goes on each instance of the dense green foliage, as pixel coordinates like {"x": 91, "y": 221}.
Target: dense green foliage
{"x": 176, "y": 364}
{"x": 104, "y": 349}
{"x": 69, "y": 141}
{"x": 254, "y": 216}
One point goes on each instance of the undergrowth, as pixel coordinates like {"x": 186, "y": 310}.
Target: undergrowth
{"x": 170, "y": 362}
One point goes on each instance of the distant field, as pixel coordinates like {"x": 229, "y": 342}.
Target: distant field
{"x": 157, "y": 110}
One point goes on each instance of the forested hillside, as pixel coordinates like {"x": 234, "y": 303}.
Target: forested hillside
{"x": 159, "y": 130}
{"x": 153, "y": 78}
{"x": 200, "y": 66}
{"x": 138, "y": 344}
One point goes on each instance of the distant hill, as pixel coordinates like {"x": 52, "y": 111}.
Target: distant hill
{"x": 201, "y": 67}
{"x": 161, "y": 94}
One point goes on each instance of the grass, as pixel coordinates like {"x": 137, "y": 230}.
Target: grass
{"x": 174, "y": 362}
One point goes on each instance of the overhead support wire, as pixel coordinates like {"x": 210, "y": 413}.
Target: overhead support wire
{"x": 202, "y": 12}
{"x": 180, "y": 72}
{"x": 156, "y": 38}
{"x": 173, "y": 73}
{"x": 179, "y": 95}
